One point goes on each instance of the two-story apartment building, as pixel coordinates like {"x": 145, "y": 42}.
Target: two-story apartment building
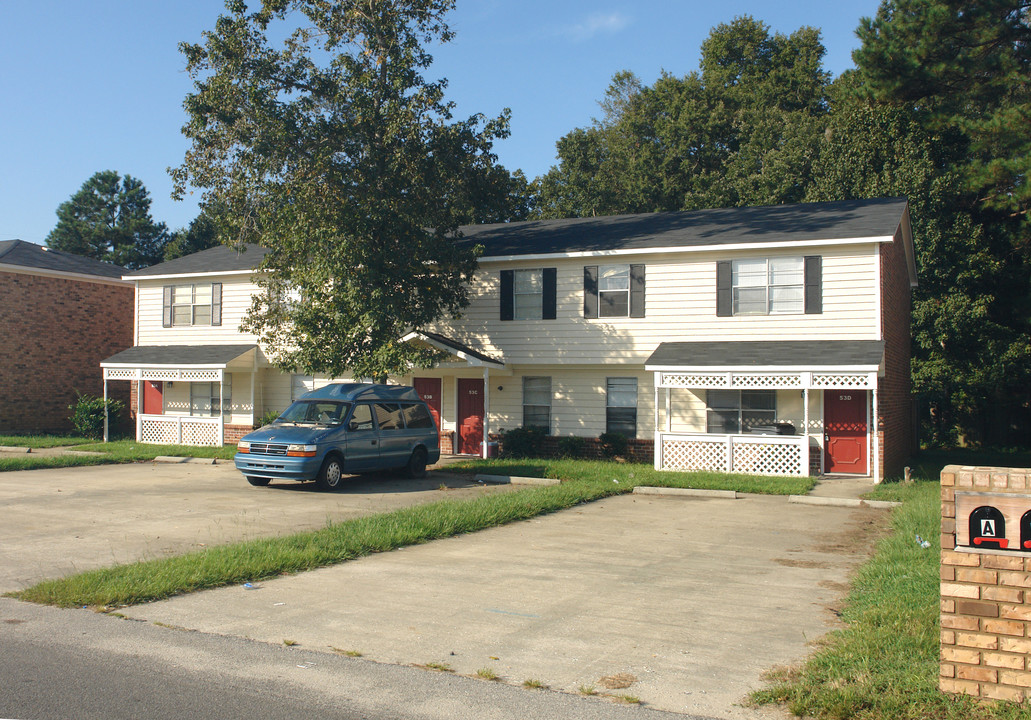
{"x": 749, "y": 339}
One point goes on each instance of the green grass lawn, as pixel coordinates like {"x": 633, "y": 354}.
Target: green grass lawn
{"x": 42, "y": 441}
{"x": 884, "y": 664}
{"x": 634, "y": 474}
{"x": 117, "y": 451}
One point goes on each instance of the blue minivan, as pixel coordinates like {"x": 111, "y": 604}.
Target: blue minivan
{"x": 343, "y": 428}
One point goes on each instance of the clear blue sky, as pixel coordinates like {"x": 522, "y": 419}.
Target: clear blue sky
{"x": 99, "y": 85}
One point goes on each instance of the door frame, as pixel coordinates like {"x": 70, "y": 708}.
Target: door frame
{"x": 867, "y": 459}
{"x": 459, "y": 443}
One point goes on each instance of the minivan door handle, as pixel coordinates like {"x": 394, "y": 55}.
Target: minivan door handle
{"x": 373, "y": 442}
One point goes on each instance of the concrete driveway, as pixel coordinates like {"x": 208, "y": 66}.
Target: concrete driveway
{"x": 682, "y": 603}
{"x": 66, "y": 520}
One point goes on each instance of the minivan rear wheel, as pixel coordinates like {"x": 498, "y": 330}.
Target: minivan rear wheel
{"x": 416, "y": 467}
{"x": 331, "y": 475}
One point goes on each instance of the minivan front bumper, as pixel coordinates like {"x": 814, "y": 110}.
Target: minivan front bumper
{"x": 278, "y": 466}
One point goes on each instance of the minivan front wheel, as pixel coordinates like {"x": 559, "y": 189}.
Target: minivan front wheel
{"x": 330, "y": 476}
{"x": 258, "y": 481}
{"x": 416, "y": 467}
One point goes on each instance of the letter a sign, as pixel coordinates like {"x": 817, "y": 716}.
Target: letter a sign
{"x": 987, "y": 528}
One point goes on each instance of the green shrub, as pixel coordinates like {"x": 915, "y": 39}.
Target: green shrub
{"x": 572, "y": 446}
{"x": 268, "y": 418}
{"x": 522, "y": 442}
{"x": 88, "y": 415}
{"x": 613, "y": 444}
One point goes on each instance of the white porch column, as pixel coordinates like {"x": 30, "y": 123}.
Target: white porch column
{"x": 221, "y": 408}
{"x": 139, "y": 406}
{"x": 254, "y": 409}
{"x": 876, "y": 436}
{"x": 105, "y": 405}
{"x": 657, "y": 442}
{"x": 486, "y": 411}
{"x": 805, "y": 431}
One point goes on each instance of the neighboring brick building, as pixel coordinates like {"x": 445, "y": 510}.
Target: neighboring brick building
{"x": 60, "y": 315}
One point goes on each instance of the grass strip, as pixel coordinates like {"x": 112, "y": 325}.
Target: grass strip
{"x": 254, "y": 560}
{"x": 635, "y": 474}
{"x": 884, "y": 664}
{"x": 114, "y": 452}
{"x": 42, "y": 441}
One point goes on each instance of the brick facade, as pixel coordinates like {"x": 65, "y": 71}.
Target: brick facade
{"x": 55, "y": 332}
{"x": 895, "y": 391}
{"x": 985, "y": 598}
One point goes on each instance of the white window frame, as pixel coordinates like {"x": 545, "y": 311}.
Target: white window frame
{"x": 782, "y": 289}
{"x": 740, "y": 409}
{"x": 611, "y": 402}
{"x": 538, "y": 406}
{"x": 615, "y": 275}
{"x": 533, "y": 299}
{"x": 193, "y": 305}
{"x": 199, "y": 409}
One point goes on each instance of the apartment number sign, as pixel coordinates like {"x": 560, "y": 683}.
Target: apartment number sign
{"x": 993, "y": 521}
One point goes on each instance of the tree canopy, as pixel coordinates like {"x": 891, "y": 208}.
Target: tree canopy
{"x": 333, "y": 151}
{"x": 108, "y": 219}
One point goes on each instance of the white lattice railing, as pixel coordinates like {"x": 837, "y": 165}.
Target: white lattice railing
{"x": 750, "y": 454}
{"x": 759, "y": 380}
{"x": 180, "y": 430}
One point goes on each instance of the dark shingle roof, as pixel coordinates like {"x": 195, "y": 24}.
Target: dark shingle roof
{"x": 30, "y": 255}
{"x": 787, "y": 353}
{"x": 842, "y": 220}
{"x": 771, "y": 224}
{"x": 220, "y": 258}
{"x": 178, "y": 355}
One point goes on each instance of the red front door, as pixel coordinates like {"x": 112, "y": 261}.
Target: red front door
{"x": 429, "y": 390}
{"x": 845, "y": 431}
{"x": 152, "y": 401}
{"x": 470, "y": 416}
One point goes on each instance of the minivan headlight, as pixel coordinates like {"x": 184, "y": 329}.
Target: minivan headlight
{"x": 243, "y": 446}
{"x": 301, "y": 450}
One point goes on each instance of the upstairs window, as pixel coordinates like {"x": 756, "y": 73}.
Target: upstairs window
{"x": 613, "y": 291}
{"x": 769, "y": 286}
{"x": 528, "y": 294}
{"x": 194, "y": 304}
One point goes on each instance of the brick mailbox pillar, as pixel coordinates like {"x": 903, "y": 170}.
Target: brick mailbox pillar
{"x": 986, "y": 582}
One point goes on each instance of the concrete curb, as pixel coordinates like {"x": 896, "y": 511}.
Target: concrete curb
{"x": 14, "y": 449}
{"x": 842, "y": 502}
{"x": 181, "y": 460}
{"x": 689, "y": 492}
{"x": 514, "y": 480}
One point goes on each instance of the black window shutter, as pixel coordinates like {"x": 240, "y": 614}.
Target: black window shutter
{"x": 724, "y": 289}
{"x": 166, "y": 307}
{"x": 216, "y": 303}
{"x": 507, "y": 294}
{"x": 637, "y": 291}
{"x": 548, "y": 301}
{"x": 590, "y": 291}
{"x": 813, "y": 285}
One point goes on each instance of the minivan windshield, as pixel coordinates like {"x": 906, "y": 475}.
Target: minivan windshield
{"x": 315, "y": 412}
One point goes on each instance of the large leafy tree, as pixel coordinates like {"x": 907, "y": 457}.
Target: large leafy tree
{"x": 955, "y": 75}
{"x": 743, "y": 130}
{"x": 201, "y": 234}
{"x": 330, "y": 149}
{"x": 108, "y": 219}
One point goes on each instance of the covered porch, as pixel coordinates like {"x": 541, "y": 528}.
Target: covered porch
{"x": 466, "y": 411}
{"x": 767, "y": 407}
{"x": 186, "y": 394}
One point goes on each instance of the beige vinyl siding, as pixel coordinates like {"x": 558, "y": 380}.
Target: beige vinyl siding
{"x": 236, "y": 301}
{"x": 680, "y": 305}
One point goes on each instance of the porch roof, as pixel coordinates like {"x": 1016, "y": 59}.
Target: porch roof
{"x": 460, "y": 350}
{"x": 177, "y": 356}
{"x": 773, "y": 355}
